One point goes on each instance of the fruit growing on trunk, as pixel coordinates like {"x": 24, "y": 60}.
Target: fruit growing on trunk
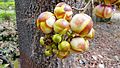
{"x": 103, "y": 11}
{"x": 79, "y": 44}
{"x": 45, "y": 22}
{"x": 91, "y": 34}
{"x": 48, "y": 52}
{"x": 62, "y": 10}
{"x": 42, "y": 41}
{"x": 81, "y": 24}
{"x": 56, "y": 38}
{"x": 61, "y": 26}
{"x": 62, "y": 55}
{"x": 64, "y": 46}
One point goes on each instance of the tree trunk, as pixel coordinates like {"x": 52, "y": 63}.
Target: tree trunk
{"x": 31, "y": 53}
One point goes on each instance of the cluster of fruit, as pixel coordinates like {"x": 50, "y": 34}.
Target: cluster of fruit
{"x": 105, "y": 10}
{"x": 64, "y": 33}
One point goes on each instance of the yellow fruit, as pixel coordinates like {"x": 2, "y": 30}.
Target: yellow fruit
{"x": 45, "y": 22}
{"x": 62, "y": 55}
{"x": 91, "y": 34}
{"x": 87, "y": 45}
{"x": 103, "y": 11}
{"x": 79, "y": 44}
{"x": 62, "y": 10}
{"x": 61, "y": 26}
{"x": 81, "y": 24}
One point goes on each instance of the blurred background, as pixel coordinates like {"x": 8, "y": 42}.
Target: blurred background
{"x": 9, "y": 50}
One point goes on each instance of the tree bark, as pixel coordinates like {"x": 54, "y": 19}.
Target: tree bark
{"x": 31, "y": 52}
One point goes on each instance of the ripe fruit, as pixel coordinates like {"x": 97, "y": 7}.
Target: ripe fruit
{"x": 56, "y": 38}
{"x": 103, "y": 11}
{"x": 64, "y": 46}
{"x": 62, "y": 10}
{"x": 81, "y": 24}
{"x": 91, "y": 34}
{"x": 62, "y": 55}
{"x": 61, "y": 26}
{"x": 79, "y": 44}
{"x": 45, "y": 22}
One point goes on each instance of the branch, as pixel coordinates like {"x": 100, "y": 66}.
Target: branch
{"x": 83, "y": 9}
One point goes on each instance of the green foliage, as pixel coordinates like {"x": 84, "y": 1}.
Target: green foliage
{"x": 6, "y": 0}
{"x": 7, "y": 11}
{"x": 7, "y": 5}
{"x": 8, "y": 15}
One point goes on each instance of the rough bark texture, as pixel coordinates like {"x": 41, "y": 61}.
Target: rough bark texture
{"x": 31, "y": 52}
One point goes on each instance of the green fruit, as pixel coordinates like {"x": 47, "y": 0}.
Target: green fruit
{"x": 54, "y": 46}
{"x": 48, "y": 52}
{"x": 42, "y": 41}
{"x": 56, "y": 38}
{"x": 48, "y": 47}
{"x": 55, "y": 51}
{"x": 64, "y": 46}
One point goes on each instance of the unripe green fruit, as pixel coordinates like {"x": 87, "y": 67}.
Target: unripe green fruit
{"x": 55, "y": 51}
{"x": 48, "y": 52}
{"x": 56, "y": 38}
{"x": 42, "y": 40}
{"x": 48, "y": 47}
{"x": 54, "y": 46}
{"x": 64, "y": 46}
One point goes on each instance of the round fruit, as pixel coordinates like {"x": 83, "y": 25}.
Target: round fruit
{"x": 48, "y": 52}
{"x": 54, "y": 46}
{"x": 61, "y": 26}
{"x": 81, "y": 24}
{"x": 103, "y": 11}
{"x": 64, "y": 46}
{"x": 79, "y": 44}
{"x": 62, "y": 55}
{"x": 55, "y": 51}
{"x": 56, "y": 38}
{"x": 42, "y": 40}
{"x": 45, "y": 22}
{"x": 91, "y": 34}
{"x": 62, "y": 10}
